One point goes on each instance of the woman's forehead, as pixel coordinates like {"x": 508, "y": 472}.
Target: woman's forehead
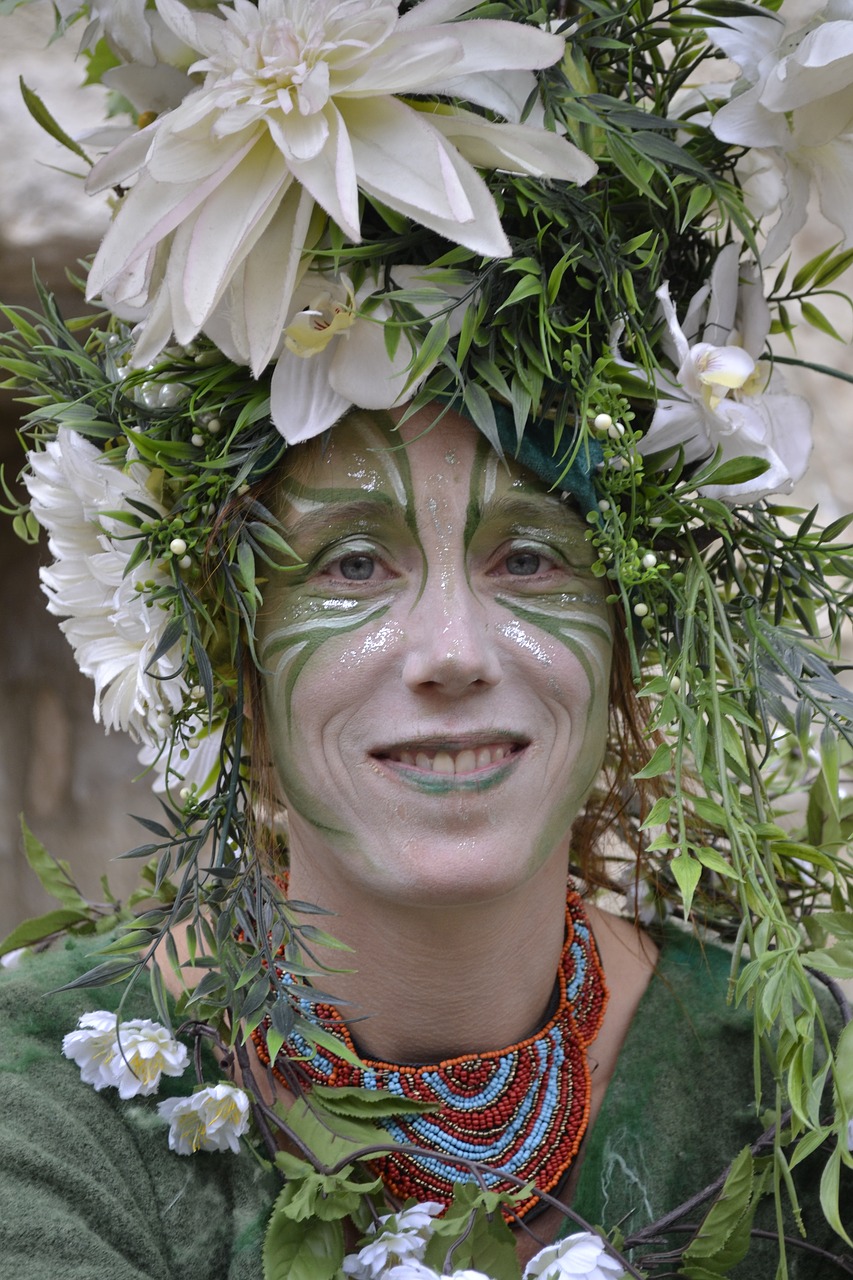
{"x": 434, "y": 450}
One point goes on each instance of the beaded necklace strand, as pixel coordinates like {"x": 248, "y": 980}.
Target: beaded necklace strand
{"x": 521, "y": 1110}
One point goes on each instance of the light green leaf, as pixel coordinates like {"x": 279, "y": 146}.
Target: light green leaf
{"x": 661, "y": 762}
{"x": 54, "y": 875}
{"x": 302, "y": 1251}
{"x": 41, "y": 927}
{"x": 819, "y": 321}
{"x": 687, "y": 872}
{"x": 709, "y": 810}
{"x": 366, "y": 1104}
{"x": 830, "y": 1184}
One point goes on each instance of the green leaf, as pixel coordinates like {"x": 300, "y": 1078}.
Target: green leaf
{"x": 819, "y": 321}
{"x": 42, "y": 117}
{"x": 55, "y": 876}
{"x": 735, "y": 471}
{"x": 661, "y": 762}
{"x": 830, "y": 1184}
{"x": 724, "y": 1237}
{"x": 709, "y": 811}
{"x": 687, "y": 872}
{"x": 41, "y": 927}
{"x": 302, "y": 1250}
{"x": 527, "y": 287}
{"x": 367, "y": 1104}
{"x": 660, "y": 813}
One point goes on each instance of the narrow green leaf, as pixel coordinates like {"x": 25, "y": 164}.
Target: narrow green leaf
{"x": 819, "y": 321}
{"x": 42, "y": 117}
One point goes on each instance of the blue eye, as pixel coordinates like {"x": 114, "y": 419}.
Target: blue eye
{"x": 523, "y": 564}
{"x": 357, "y": 567}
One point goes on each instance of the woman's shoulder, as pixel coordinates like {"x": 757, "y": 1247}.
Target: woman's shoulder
{"x": 89, "y": 1185}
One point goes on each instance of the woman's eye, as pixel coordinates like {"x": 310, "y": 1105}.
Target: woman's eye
{"x": 523, "y": 564}
{"x": 357, "y": 567}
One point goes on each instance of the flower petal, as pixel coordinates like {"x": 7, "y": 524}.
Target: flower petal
{"x": 303, "y": 402}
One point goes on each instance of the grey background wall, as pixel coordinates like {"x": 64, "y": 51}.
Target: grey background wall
{"x": 73, "y": 782}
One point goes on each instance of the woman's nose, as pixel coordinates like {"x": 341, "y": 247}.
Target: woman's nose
{"x": 452, "y": 645}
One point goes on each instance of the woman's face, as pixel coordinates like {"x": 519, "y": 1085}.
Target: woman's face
{"x": 435, "y": 673}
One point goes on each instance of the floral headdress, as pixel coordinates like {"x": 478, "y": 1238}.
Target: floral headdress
{"x": 555, "y": 225}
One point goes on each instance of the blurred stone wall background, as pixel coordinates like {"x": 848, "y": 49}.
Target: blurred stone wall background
{"x": 72, "y": 781}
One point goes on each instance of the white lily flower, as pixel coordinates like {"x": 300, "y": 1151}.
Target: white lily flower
{"x": 721, "y": 398}
{"x": 128, "y": 1056}
{"x": 213, "y": 1119}
{"x": 793, "y": 108}
{"x": 110, "y": 626}
{"x": 299, "y": 107}
{"x": 580, "y": 1255}
{"x": 335, "y": 357}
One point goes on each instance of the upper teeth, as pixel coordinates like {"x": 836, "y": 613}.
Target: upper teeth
{"x": 464, "y": 761}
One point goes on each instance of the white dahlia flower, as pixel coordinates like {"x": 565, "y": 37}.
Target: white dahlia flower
{"x": 113, "y": 629}
{"x": 299, "y": 106}
{"x": 213, "y": 1119}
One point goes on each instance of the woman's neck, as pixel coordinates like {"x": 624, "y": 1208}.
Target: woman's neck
{"x": 435, "y": 982}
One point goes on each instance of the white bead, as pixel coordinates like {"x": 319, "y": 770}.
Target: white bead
{"x": 178, "y": 547}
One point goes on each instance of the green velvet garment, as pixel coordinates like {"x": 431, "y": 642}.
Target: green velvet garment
{"x": 90, "y": 1191}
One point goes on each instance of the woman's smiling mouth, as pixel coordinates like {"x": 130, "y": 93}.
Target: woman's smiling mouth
{"x": 472, "y": 764}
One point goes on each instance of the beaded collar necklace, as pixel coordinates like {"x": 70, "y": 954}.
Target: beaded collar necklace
{"x": 521, "y": 1110}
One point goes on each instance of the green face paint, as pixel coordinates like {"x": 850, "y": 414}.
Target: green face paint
{"x": 435, "y": 674}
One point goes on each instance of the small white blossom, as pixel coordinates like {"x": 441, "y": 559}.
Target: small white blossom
{"x": 400, "y": 1241}
{"x": 300, "y": 105}
{"x": 213, "y": 1119}
{"x": 578, "y": 1256}
{"x": 128, "y": 1056}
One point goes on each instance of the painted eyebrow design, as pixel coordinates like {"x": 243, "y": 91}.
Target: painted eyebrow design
{"x": 332, "y": 515}
{"x": 529, "y": 510}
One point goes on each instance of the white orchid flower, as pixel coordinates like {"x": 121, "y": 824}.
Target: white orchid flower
{"x": 298, "y": 109}
{"x": 581, "y": 1256}
{"x": 721, "y": 397}
{"x": 335, "y": 357}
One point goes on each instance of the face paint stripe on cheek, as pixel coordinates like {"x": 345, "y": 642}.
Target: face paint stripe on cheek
{"x": 295, "y": 644}
{"x": 586, "y": 636}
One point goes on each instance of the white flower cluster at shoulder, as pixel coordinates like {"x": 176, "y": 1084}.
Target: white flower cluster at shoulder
{"x": 132, "y": 1057}
{"x": 129, "y": 1056}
